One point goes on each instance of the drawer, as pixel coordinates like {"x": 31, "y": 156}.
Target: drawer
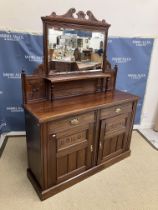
{"x": 116, "y": 125}
{"x": 70, "y": 122}
{"x": 116, "y": 110}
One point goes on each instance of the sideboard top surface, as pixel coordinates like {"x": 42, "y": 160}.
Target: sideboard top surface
{"x": 47, "y": 110}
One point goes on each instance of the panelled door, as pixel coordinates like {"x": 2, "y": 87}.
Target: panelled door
{"x": 72, "y": 144}
{"x": 114, "y": 134}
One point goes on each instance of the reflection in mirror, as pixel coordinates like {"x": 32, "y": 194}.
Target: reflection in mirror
{"x": 71, "y": 50}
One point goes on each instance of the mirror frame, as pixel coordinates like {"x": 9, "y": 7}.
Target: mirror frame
{"x": 82, "y": 21}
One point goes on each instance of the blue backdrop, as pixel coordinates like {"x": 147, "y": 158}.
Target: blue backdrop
{"x": 22, "y": 50}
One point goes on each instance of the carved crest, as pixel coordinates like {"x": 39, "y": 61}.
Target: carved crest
{"x": 68, "y": 14}
{"x": 88, "y": 16}
{"x": 81, "y": 15}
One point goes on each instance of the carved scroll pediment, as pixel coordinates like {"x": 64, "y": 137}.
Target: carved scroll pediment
{"x": 70, "y": 14}
{"x": 81, "y": 15}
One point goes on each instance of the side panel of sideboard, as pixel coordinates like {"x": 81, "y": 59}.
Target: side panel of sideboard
{"x": 33, "y": 137}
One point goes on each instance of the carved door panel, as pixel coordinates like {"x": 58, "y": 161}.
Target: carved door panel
{"x": 70, "y": 153}
{"x": 113, "y": 136}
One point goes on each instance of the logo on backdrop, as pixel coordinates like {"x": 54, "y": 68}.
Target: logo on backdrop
{"x": 109, "y": 41}
{"x": 14, "y": 108}
{"x": 12, "y": 75}
{"x": 121, "y": 59}
{"x": 139, "y": 104}
{"x": 11, "y": 37}
{"x": 141, "y": 43}
{"x": 34, "y": 58}
{"x": 124, "y": 90}
{"x": 137, "y": 76}
{"x": 30, "y": 58}
{"x": 2, "y": 126}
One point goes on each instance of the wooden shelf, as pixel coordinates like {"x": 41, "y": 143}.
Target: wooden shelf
{"x": 66, "y": 78}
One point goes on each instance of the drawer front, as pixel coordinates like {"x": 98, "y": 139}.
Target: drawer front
{"x": 115, "y": 125}
{"x": 116, "y": 110}
{"x": 70, "y": 122}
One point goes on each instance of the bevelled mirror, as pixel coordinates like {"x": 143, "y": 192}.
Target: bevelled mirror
{"x": 74, "y": 44}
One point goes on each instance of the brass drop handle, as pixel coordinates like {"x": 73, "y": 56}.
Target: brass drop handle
{"x": 100, "y": 145}
{"x": 91, "y": 148}
{"x": 53, "y": 135}
{"x": 118, "y": 110}
{"x": 74, "y": 121}
{"x": 35, "y": 90}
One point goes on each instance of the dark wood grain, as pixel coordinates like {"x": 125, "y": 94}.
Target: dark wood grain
{"x": 72, "y": 77}
{"x": 47, "y": 110}
{"x": 81, "y": 18}
{"x": 34, "y": 88}
{"x": 44, "y": 194}
{"x": 73, "y": 152}
{"x": 76, "y": 123}
{"x": 114, "y": 135}
{"x": 33, "y": 148}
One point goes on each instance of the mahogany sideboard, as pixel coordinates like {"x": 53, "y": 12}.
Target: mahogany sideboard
{"x": 77, "y": 123}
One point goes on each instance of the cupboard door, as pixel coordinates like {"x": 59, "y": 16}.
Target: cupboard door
{"x": 113, "y": 136}
{"x": 73, "y": 153}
